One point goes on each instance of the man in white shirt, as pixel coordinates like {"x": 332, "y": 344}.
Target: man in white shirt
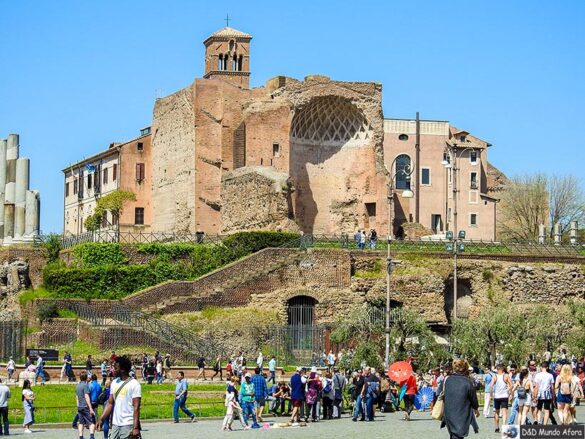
{"x": 10, "y": 368}
{"x": 4, "y": 397}
{"x": 125, "y": 396}
{"x": 260, "y": 360}
{"x": 272, "y": 370}
{"x": 543, "y": 388}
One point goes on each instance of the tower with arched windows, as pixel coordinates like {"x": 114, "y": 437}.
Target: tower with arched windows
{"x": 227, "y": 56}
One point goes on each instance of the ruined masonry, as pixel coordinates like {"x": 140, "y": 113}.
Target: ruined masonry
{"x": 19, "y": 206}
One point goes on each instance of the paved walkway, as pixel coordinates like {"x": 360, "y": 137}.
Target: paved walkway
{"x": 386, "y": 425}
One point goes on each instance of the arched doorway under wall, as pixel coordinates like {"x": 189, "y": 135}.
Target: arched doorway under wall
{"x": 301, "y": 322}
{"x": 464, "y": 299}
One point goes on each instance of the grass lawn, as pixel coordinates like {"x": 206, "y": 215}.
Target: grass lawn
{"x": 56, "y": 403}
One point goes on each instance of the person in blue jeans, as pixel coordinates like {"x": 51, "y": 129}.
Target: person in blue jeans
{"x": 359, "y": 383}
{"x": 40, "y": 370}
{"x": 181, "y": 391}
{"x": 514, "y": 411}
{"x": 248, "y": 395}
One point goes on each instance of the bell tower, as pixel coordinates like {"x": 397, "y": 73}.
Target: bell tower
{"x": 227, "y": 56}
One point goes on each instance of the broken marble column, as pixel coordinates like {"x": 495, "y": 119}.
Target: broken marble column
{"x": 21, "y": 187}
{"x": 8, "y": 223}
{"x": 32, "y": 209}
{"x": 3, "y": 147}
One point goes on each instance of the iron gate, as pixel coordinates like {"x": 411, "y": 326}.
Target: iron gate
{"x": 12, "y": 339}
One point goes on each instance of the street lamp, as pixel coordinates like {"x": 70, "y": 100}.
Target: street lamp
{"x": 406, "y": 193}
{"x": 450, "y": 157}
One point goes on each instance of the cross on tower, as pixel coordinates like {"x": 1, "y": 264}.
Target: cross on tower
{"x": 227, "y": 20}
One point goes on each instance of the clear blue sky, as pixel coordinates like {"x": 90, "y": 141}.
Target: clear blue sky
{"x": 77, "y": 75}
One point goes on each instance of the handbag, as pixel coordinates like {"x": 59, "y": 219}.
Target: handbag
{"x": 438, "y": 408}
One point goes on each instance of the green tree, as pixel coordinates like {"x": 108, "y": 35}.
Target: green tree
{"x": 113, "y": 203}
{"x": 53, "y": 246}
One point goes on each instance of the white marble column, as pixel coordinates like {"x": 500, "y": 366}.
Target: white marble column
{"x": 21, "y": 187}
{"x": 3, "y": 148}
{"x": 32, "y": 214}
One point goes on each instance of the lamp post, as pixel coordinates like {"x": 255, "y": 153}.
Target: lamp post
{"x": 450, "y": 158}
{"x": 406, "y": 193}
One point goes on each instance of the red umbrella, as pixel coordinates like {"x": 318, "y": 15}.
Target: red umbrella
{"x": 400, "y": 371}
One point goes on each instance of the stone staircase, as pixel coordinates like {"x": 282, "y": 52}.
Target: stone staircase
{"x": 213, "y": 288}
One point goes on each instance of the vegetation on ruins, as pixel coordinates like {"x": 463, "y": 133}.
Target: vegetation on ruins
{"x": 53, "y": 246}
{"x": 103, "y": 270}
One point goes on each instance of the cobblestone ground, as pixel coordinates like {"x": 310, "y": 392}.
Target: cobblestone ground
{"x": 388, "y": 425}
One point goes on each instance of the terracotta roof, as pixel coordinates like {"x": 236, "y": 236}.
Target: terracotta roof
{"x": 229, "y": 32}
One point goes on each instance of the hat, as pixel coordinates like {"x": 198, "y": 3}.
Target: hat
{"x": 299, "y": 369}
{"x": 314, "y": 369}
{"x": 248, "y": 375}
{"x": 470, "y": 369}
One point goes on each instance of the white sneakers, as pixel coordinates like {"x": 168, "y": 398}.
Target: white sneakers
{"x": 27, "y": 430}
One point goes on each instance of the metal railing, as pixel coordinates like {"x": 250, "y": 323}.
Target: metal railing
{"x": 190, "y": 344}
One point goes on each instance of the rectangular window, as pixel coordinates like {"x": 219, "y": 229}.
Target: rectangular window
{"x": 89, "y": 181}
{"x": 473, "y": 157}
{"x": 473, "y": 219}
{"x": 115, "y": 172}
{"x": 105, "y": 176}
{"x": 473, "y": 180}
{"x": 140, "y": 146}
{"x": 436, "y": 223}
{"x": 425, "y": 176}
{"x": 75, "y": 186}
{"x": 105, "y": 219}
{"x": 66, "y": 189}
{"x": 139, "y": 215}
{"x": 449, "y": 214}
{"x": 139, "y": 172}
{"x": 276, "y": 150}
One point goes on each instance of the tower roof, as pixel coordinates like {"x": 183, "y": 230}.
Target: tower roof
{"x": 228, "y": 32}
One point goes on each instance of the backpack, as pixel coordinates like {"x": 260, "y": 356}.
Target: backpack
{"x": 311, "y": 397}
{"x": 328, "y": 385}
{"x": 373, "y": 388}
{"x": 522, "y": 393}
{"x": 102, "y": 397}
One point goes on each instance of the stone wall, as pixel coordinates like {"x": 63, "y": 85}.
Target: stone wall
{"x": 173, "y": 162}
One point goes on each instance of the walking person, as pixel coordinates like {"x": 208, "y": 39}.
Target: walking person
{"x": 543, "y": 391}
{"x": 515, "y": 402}
{"x": 68, "y": 366}
{"x": 232, "y": 406}
{"x": 409, "y": 395}
{"x": 358, "y": 384}
{"x": 28, "y": 406}
{"x": 460, "y": 406}
{"x": 261, "y": 392}
{"x": 339, "y": 384}
{"x": 500, "y": 388}
{"x": 40, "y": 370}
{"x": 104, "y": 371}
{"x": 373, "y": 239}
{"x": 123, "y": 403}
{"x": 487, "y": 395}
{"x": 217, "y": 369}
{"x": 272, "y": 369}
{"x": 181, "y": 393}
{"x": 564, "y": 391}
{"x": 159, "y": 371}
{"x": 94, "y": 393}
{"x": 85, "y": 413}
{"x": 88, "y": 366}
{"x": 260, "y": 360}
{"x": 10, "y": 368}
{"x": 523, "y": 391}
{"x": 4, "y": 398}
{"x": 201, "y": 367}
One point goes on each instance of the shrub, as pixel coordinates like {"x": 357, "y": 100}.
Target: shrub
{"x": 91, "y": 254}
{"x": 46, "y": 311}
{"x": 250, "y": 242}
{"x": 53, "y": 246}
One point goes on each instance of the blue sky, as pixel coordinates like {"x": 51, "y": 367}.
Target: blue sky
{"x": 78, "y": 75}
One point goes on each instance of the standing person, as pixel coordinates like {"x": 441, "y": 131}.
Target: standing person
{"x": 330, "y": 361}
{"x": 10, "y": 368}
{"x": 181, "y": 393}
{"x": 523, "y": 390}
{"x": 4, "y": 397}
{"x": 231, "y": 405}
{"x": 248, "y": 394}
{"x": 150, "y": 372}
{"x": 411, "y": 389}
{"x": 363, "y": 240}
{"x": 515, "y": 402}
{"x": 312, "y": 396}
{"x": 339, "y": 384}
{"x": 500, "y": 388}
{"x": 261, "y": 392}
{"x": 358, "y": 383}
{"x": 297, "y": 393}
{"x": 159, "y": 371}
{"x": 201, "y": 367}
{"x": 68, "y": 366}
{"x": 373, "y": 239}
{"x": 564, "y": 390}
{"x": 104, "y": 371}
{"x": 217, "y": 369}
{"x": 460, "y": 402}
{"x": 357, "y": 237}
{"x": 145, "y": 363}
{"x": 104, "y": 401}
{"x": 543, "y": 391}
{"x": 28, "y": 406}
{"x": 88, "y": 366}
{"x": 94, "y": 393}
{"x": 85, "y": 413}
{"x": 123, "y": 403}
{"x": 260, "y": 360}
{"x": 371, "y": 392}
{"x": 272, "y": 369}
{"x": 328, "y": 396}
{"x": 40, "y": 370}
{"x": 487, "y": 380}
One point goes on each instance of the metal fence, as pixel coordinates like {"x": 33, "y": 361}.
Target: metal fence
{"x": 300, "y": 345}
{"x": 12, "y": 339}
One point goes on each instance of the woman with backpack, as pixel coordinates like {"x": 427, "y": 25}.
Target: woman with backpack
{"x": 314, "y": 388}
{"x": 564, "y": 389}
{"x": 328, "y": 396}
{"x": 523, "y": 388}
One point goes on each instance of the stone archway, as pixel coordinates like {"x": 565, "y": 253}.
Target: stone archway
{"x": 326, "y": 137}
{"x": 464, "y": 299}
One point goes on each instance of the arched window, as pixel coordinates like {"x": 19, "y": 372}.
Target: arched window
{"x": 226, "y": 62}
{"x": 235, "y": 63}
{"x": 220, "y": 62}
{"x": 300, "y": 312}
{"x": 403, "y": 171}
{"x": 240, "y": 63}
